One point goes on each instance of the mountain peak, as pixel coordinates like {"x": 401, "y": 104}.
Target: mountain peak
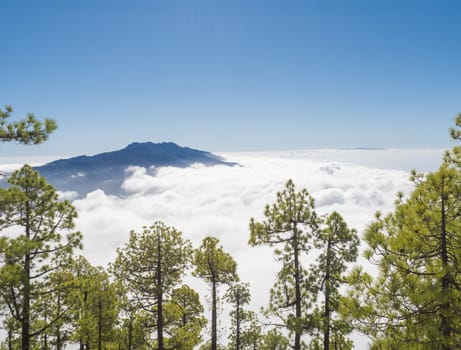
{"x": 106, "y": 171}
{"x": 152, "y": 144}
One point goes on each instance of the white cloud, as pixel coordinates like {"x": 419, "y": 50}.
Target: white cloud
{"x": 69, "y": 195}
{"x": 9, "y": 164}
{"x": 79, "y": 174}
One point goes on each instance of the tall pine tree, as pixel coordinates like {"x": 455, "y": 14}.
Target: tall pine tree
{"x": 152, "y": 264}
{"x": 289, "y": 227}
{"x": 216, "y": 267}
{"x": 338, "y": 246}
{"x": 40, "y": 240}
{"x": 415, "y": 300}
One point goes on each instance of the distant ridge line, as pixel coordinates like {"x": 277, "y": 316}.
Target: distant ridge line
{"x": 106, "y": 170}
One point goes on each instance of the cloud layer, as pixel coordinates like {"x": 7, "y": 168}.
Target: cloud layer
{"x": 219, "y": 200}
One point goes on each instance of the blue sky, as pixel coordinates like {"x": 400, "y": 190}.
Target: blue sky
{"x": 233, "y": 75}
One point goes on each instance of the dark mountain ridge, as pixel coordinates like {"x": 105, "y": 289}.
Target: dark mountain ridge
{"x": 106, "y": 171}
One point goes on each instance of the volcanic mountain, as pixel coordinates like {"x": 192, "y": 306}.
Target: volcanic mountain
{"x": 107, "y": 170}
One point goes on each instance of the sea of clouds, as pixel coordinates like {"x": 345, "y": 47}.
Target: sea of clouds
{"x": 220, "y": 200}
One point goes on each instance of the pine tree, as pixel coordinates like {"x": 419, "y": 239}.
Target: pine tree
{"x": 151, "y": 265}
{"x": 238, "y": 295}
{"x": 184, "y": 318}
{"x": 338, "y": 246}
{"x": 42, "y": 241}
{"x": 289, "y": 227}
{"x": 95, "y": 305}
{"x": 415, "y": 301}
{"x": 216, "y": 267}
{"x": 56, "y": 305}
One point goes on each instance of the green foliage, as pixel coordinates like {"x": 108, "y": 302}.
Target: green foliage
{"x": 130, "y": 333}
{"x": 207, "y": 346}
{"x": 95, "y": 305}
{"x": 12, "y": 338}
{"x": 238, "y": 295}
{"x": 216, "y": 267}
{"x": 151, "y": 265}
{"x": 26, "y": 131}
{"x": 415, "y": 301}
{"x": 289, "y": 227}
{"x": 56, "y": 305}
{"x": 40, "y": 242}
{"x": 251, "y": 335}
{"x": 454, "y": 156}
{"x": 338, "y": 246}
{"x": 274, "y": 340}
{"x": 184, "y": 317}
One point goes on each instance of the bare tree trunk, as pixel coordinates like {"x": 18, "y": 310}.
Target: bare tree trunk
{"x": 445, "y": 326}
{"x": 130, "y": 334}
{"x": 99, "y": 323}
{"x": 326, "y": 330}
{"x": 25, "y": 322}
{"x": 297, "y": 344}
{"x": 159, "y": 299}
{"x": 214, "y": 331}
{"x": 237, "y": 336}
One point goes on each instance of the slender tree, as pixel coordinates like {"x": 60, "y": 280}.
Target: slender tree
{"x": 96, "y": 306}
{"x": 238, "y": 295}
{"x": 58, "y": 305}
{"x": 216, "y": 267}
{"x": 27, "y": 131}
{"x": 338, "y": 246}
{"x": 251, "y": 336}
{"x": 129, "y": 331}
{"x": 40, "y": 240}
{"x": 152, "y": 263}
{"x": 289, "y": 227}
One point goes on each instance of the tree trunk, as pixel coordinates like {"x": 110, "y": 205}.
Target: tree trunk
{"x": 326, "y": 330}
{"x": 10, "y": 339}
{"x": 58, "y": 340}
{"x": 25, "y": 325}
{"x": 85, "y": 299}
{"x": 130, "y": 334}
{"x": 445, "y": 326}
{"x": 237, "y": 336}
{"x": 99, "y": 323}
{"x": 58, "y": 329}
{"x": 214, "y": 335}
{"x": 297, "y": 344}
{"x": 160, "y": 321}
{"x": 159, "y": 281}
{"x": 25, "y": 322}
